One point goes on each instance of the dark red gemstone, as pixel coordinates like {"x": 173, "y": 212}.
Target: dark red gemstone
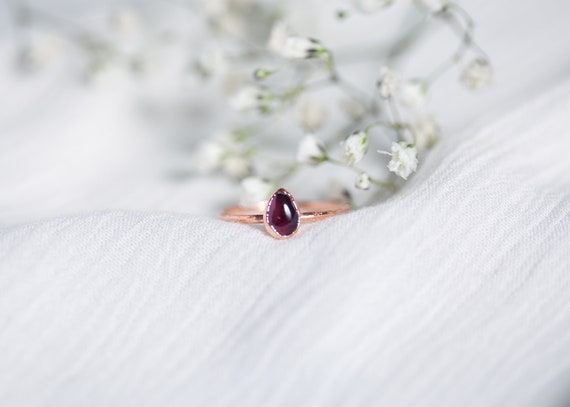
{"x": 282, "y": 214}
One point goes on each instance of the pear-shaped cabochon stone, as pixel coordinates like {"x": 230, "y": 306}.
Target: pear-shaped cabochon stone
{"x": 282, "y": 214}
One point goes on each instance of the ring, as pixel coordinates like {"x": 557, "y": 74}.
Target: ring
{"x": 281, "y": 215}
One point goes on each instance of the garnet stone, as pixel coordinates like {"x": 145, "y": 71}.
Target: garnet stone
{"x": 281, "y": 214}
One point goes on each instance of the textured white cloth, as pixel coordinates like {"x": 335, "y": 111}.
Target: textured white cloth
{"x": 455, "y": 292}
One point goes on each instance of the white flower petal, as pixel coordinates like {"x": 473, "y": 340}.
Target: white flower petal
{"x": 208, "y": 157}
{"x": 370, "y": 6}
{"x": 363, "y": 181}
{"x": 301, "y": 48}
{"x": 237, "y": 166}
{"x": 252, "y": 98}
{"x": 354, "y": 147}
{"x": 478, "y": 74}
{"x": 254, "y": 190}
{"x": 280, "y": 32}
{"x": 433, "y": 6}
{"x": 404, "y": 159}
{"x": 426, "y": 132}
{"x": 412, "y": 94}
{"x": 211, "y": 62}
{"x": 311, "y": 151}
{"x": 311, "y": 114}
{"x": 388, "y": 82}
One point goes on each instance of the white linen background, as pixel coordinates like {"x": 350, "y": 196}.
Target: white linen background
{"x": 454, "y": 292}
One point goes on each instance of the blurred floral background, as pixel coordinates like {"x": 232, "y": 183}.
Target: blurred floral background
{"x": 192, "y": 105}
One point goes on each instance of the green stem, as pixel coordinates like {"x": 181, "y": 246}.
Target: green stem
{"x": 404, "y": 42}
{"x": 395, "y": 115}
{"x": 348, "y": 88}
{"x": 466, "y": 36}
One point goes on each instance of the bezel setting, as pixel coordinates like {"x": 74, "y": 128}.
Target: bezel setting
{"x": 268, "y": 223}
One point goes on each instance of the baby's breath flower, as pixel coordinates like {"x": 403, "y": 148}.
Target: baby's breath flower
{"x": 215, "y": 8}
{"x": 302, "y": 48}
{"x": 388, "y": 82}
{"x": 210, "y": 62}
{"x": 40, "y": 51}
{"x": 341, "y": 14}
{"x": 126, "y": 21}
{"x": 232, "y": 82}
{"x": 232, "y": 141}
{"x": 404, "y": 159}
{"x": 478, "y": 74}
{"x": 363, "y": 181}
{"x": 237, "y": 166}
{"x": 228, "y": 151}
{"x": 354, "y": 147}
{"x": 370, "y": 6}
{"x": 311, "y": 151}
{"x": 254, "y": 190}
{"x": 261, "y": 73}
{"x": 280, "y": 32}
{"x": 433, "y": 6}
{"x": 353, "y": 109}
{"x": 311, "y": 114}
{"x": 412, "y": 94}
{"x": 426, "y": 131}
{"x": 246, "y": 98}
{"x": 208, "y": 157}
{"x": 251, "y": 98}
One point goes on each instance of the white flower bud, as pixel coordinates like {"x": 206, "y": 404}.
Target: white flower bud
{"x": 311, "y": 151}
{"x": 254, "y": 190}
{"x": 237, "y": 166}
{"x": 40, "y": 51}
{"x": 302, "y": 48}
{"x": 370, "y": 6}
{"x": 232, "y": 81}
{"x": 388, "y": 82}
{"x": 231, "y": 141}
{"x": 353, "y": 109}
{"x": 282, "y": 41}
{"x": 354, "y": 147}
{"x": 211, "y": 62}
{"x": 311, "y": 114}
{"x": 404, "y": 159}
{"x": 126, "y": 22}
{"x": 478, "y": 74}
{"x": 246, "y": 99}
{"x": 433, "y": 6}
{"x": 261, "y": 73}
{"x": 412, "y": 95}
{"x": 252, "y": 98}
{"x": 228, "y": 150}
{"x": 363, "y": 181}
{"x": 280, "y": 32}
{"x": 426, "y": 131}
{"x": 215, "y": 8}
{"x": 208, "y": 157}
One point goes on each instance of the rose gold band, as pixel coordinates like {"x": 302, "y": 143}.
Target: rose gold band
{"x": 309, "y": 212}
{"x": 281, "y": 215}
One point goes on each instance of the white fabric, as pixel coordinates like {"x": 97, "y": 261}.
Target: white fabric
{"x": 453, "y": 292}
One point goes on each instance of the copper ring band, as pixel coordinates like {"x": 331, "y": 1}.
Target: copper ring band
{"x": 313, "y": 211}
{"x": 281, "y": 215}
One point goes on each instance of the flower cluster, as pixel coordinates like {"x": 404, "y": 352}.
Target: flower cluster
{"x": 228, "y": 152}
{"x": 276, "y": 79}
{"x": 396, "y": 112}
